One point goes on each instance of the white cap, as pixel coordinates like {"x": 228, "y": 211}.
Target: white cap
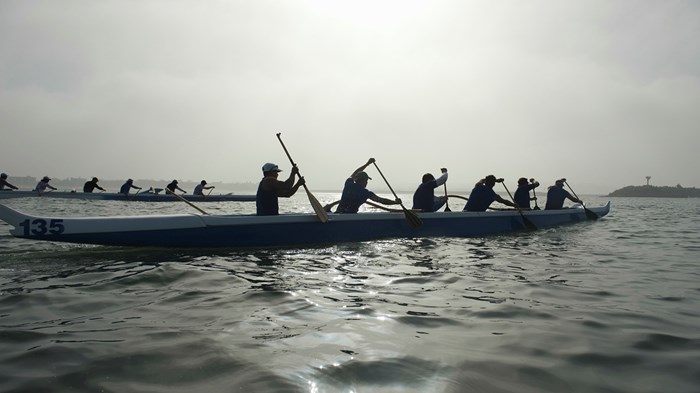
{"x": 270, "y": 167}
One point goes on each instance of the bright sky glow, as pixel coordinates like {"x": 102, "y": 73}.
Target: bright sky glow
{"x": 601, "y": 92}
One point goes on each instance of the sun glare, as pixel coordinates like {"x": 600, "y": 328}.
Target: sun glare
{"x": 365, "y": 12}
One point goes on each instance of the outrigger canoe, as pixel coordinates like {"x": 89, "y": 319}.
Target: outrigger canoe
{"x": 138, "y": 197}
{"x": 192, "y": 230}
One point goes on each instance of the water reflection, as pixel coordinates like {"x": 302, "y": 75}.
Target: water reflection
{"x": 552, "y": 310}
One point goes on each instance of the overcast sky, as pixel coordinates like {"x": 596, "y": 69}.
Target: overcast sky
{"x": 603, "y": 92}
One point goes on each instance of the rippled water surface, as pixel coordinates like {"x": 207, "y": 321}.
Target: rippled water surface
{"x": 606, "y": 306}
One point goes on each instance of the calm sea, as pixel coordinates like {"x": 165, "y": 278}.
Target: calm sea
{"x": 606, "y": 306}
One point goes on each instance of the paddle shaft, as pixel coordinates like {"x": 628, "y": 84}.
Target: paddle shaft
{"x": 535, "y": 195}
{"x": 412, "y": 218}
{"x": 528, "y": 223}
{"x": 573, "y": 192}
{"x": 289, "y": 156}
{"x": 315, "y": 204}
{"x": 447, "y": 203}
{"x": 388, "y": 185}
{"x": 186, "y": 201}
{"x": 589, "y": 213}
{"x": 131, "y": 197}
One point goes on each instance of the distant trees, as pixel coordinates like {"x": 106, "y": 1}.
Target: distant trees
{"x": 658, "y": 192}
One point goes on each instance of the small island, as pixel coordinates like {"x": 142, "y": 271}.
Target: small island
{"x": 650, "y": 191}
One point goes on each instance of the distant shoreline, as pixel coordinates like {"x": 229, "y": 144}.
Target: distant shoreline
{"x": 656, "y": 192}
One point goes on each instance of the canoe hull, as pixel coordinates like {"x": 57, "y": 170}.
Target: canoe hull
{"x": 140, "y": 197}
{"x": 189, "y": 230}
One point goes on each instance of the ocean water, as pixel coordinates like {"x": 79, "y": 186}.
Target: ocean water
{"x": 605, "y": 306}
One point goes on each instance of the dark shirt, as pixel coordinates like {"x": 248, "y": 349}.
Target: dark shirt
{"x": 480, "y": 199}
{"x": 555, "y": 198}
{"x": 126, "y": 187}
{"x": 172, "y": 187}
{"x": 424, "y": 197}
{"x": 4, "y": 183}
{"x": 90, "y": 186}
{"x": 354, "y": 195}
{"x": 522, "y": 195}
{"x": 266, "y": 202}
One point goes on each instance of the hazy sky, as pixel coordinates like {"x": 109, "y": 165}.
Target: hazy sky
{"x": 600, "y": 92}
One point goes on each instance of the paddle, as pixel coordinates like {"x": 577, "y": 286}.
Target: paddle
{"x": 528, "y": 224}
{"x": 322, "y": 215}
{"x": 447, "y": 204}
{"x": 133, "y": 196}
{"x": 590, "y": 214}
{"x": 412, "y": 218}
{"x": 185, "y": 200}
{"x": 534, "y": 194}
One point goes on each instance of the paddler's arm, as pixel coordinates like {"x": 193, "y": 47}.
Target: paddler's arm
{"x": 288, "y": 184}
{"x": 505, "y": 201}
{"x": 385, "y": 201}
{"x": 285, "y": 188}
{"x": 329, "y": 206}
{"x": 442, "y": 179}
{"x": 362, "y": 168}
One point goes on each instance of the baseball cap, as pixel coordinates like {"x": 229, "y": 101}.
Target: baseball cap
{"x": 362, "y": 176}
{"x": 270, "y": 167}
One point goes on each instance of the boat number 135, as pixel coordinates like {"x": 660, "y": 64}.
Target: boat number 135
{"x": 40, "y": 227}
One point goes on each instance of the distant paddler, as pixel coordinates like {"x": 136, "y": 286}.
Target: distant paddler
{"x": 4, "y": 183}
{"x": 170, "y": 188}
{"x": 43, "y": 185}
{"x": 90, "y": 186}
{"x": 199, "y": 189}
{"x": 127, "y": 186}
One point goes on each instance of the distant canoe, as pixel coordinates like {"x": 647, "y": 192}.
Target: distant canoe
{"x": 191, "y": 230}
{"x": 140, "y": 197}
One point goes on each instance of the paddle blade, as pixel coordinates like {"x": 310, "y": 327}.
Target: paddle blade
{"x": 316, "y": 205}
{"x": 528, "y": 224}
{"x": 412, "y": 218}
{"x": 590, "y": 214}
